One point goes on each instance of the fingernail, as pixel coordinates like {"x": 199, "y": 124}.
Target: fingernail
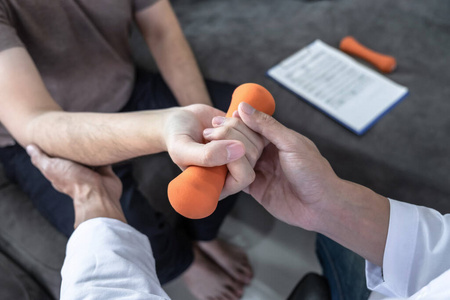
{"x": 247, "y": 108}
{"x": 31, "y": 150}
{"x": 217, "y": 121}
{"x": 208, "y": 131}
{"x": 235, "y": 151}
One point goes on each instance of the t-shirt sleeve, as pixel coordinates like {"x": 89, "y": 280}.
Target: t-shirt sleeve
{"x": 8, "y": 33}
{"x": 141, "y": 4}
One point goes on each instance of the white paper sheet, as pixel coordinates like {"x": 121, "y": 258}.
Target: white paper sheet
{"x": 346, "y": 90}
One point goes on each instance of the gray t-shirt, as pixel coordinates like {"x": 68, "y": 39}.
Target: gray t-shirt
{"x": 80, "y": 48}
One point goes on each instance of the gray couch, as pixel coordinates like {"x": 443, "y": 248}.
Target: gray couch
{"x": 404, "y": 156}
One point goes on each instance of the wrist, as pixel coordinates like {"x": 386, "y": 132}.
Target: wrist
{"x": 171, "y": 119}
{"x": 97, "y": 209}
{"x": 155, "y": 137}
{"x": 90, "y": 203}
{"x": 333, "y": 206}
{"x": 358, "y": 219}
{"x": 196, "y": 100}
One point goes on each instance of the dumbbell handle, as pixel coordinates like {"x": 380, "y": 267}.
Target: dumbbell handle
{"x": 384, "y": 63}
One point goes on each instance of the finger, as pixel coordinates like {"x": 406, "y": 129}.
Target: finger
{"x": 228, "y": 295}
{"x": 252, "y": 151}
{"x": 247, "y": 270}
{"x": 235, "y": 288}
{"x": 49, "y": 167}
{"x": 58, "y": 170}
{"x": 38, "y": 158}
{"x": 240, "y": 176}
{"x": 265, "y": 170}
{"x": 283, "y": 137}
{"x": 265, "y": 140}
{"x": 240, "y": 126}
{"x": 204, "y": 113}
{"x": 235, "y": 129}
{"x": 215, "y": 153}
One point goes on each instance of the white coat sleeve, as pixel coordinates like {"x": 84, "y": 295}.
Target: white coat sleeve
{"x": 417, "y": 251}
{"x": 108, "y": 259}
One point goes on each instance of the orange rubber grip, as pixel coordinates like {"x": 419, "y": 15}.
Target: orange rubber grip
{"x": 384, "y": 63}
{"x": 196, "y": 191}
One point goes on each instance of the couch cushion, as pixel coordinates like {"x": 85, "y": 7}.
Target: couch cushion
{"x": 29, "y": 239}
{"x": 15, "y": 283}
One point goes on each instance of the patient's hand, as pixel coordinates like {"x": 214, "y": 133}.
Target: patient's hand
{"x": 95, "y": 193}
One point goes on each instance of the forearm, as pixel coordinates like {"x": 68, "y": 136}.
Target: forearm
{"x": 33, "y": 117}
{"x": 172, "y": 53}
{"x": 97, "y": 138}
{"x": 357, "y": 218}
{"x": 180, "y": 70}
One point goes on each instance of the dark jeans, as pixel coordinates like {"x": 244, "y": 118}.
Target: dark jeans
{"x": 172, "y": 249}
{"x": 344, "y": 270}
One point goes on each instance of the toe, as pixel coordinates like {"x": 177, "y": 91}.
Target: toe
{"x": 236, "y": 289}
{"x": 247, "y": 271}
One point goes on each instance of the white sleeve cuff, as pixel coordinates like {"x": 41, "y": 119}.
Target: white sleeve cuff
{"x": 108, "y": 259}
{"x": 393, "y": 278}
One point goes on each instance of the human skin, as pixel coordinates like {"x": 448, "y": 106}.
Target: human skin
{"x": 95, "y": 193}
{"x": 297, "y": 185}
{"x": 173, "y": 55}
{"x": 96, "y": 139}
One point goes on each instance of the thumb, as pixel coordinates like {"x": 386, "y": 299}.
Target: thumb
{"x": 214, "y": 153}
{"x": 267, "y": 126}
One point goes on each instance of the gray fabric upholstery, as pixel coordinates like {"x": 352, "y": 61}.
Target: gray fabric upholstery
{"x": 15, "y": 283}
{"x": 29, "y": 239}
{"x": 404, "y": 156}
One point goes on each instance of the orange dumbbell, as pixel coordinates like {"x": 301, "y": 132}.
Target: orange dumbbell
{"x": 196, "y": 191}
{"x": 384, "y": 63}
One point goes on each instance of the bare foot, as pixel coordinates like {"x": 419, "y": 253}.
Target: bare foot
{"x": 231, "y": 258}
{"x": 206, "y": 280}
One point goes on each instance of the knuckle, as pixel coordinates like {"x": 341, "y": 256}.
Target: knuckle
{"x": 251, "y": 177}
{"x": 46, "y": 168}
{"x": 266, "y": 118}
{"x": 245, "y": 177}
{"x": 233, "y": 122}
{"x": 261, "y": 144}
{"x": 264, "y": 121}
{"x": 252, "y": 154}
{"x": 224, "y": 132}
{"x": 207, "y": 158}
{"x": 307, "y": 142}
{"x": 96, "y": 179}
{"x": 228, "y": 131}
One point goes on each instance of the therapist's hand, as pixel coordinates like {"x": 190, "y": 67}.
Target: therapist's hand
{"x": 95, "y": 193}
{"x": 296, "y": 184}
{"x": 293, "y": 180}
